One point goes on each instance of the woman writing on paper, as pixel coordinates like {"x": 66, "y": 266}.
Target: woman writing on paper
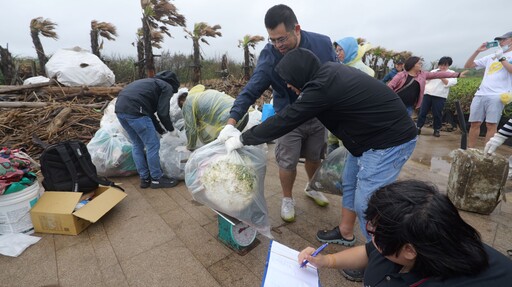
{"x": 418, "y": 239}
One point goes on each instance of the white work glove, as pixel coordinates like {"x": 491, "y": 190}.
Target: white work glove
{"x": 233, "y": 143}
{"x": 181, "y": 148}
{"x": 173, "y": 133}
{"x": 494, "y": 143}
{"x": 227, "y": 132}
{"x": 498, "y": 54}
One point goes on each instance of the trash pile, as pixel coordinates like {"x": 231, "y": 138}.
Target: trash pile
{"x": 49, "y": 112}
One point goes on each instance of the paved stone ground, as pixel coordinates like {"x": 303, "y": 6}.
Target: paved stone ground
{"x": 165, "y": 238}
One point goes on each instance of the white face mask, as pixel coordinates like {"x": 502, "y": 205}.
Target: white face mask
{"x": 505, "y": 48}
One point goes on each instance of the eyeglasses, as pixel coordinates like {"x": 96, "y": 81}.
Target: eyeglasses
{"x": 370, "y": 228}
{"x": 279, "y": 40}
{"x": 338, "y": 50}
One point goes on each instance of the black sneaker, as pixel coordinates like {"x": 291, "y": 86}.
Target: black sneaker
{"x": 355, "y": 275}
{"x": 437, "y": 134}
{"x": 334, "y": 236}
{"x": 164, "y": 183}
{"x": 145, "y": 182}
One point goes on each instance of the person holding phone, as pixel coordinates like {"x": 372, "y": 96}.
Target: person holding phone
{"x": 487, "y": 105}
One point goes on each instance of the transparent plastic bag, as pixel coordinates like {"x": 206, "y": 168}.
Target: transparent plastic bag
{"x": 175, "y": 110}
{"x": 111, "y": 153}
{"x": 173, "y": 161}
{"x": 230, "y": 183}
{"x": 328, "y": 177}
{"x": 109, "y": 120}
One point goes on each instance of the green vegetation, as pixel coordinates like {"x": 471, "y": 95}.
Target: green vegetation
{"x": 464, "y": 92}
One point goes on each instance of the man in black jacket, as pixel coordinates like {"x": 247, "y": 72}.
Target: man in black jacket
{"x": 136, "y": 106}
{"x": 364, "y": 113}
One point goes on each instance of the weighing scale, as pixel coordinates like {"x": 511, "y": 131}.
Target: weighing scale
{"x": 237, "y": 235}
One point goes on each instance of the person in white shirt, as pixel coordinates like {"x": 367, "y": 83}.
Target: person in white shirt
{"x": 436, "y": 92}
{"x": 486, "y": 105}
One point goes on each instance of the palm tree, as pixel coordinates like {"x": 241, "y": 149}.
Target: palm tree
{"x": 201, "y": 30}
{"x": 46, "y": 27}
{"x": 157, "y": 12}
{"x": 103, "y": 29}
{"x": 139, "y": 44}
{"x": 249, "y": 42}
{"x": 7, "y": 66}
{"x": 224, "y": 72}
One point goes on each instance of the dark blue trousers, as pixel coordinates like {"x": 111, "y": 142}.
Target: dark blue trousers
{"x": 436, "y": 104}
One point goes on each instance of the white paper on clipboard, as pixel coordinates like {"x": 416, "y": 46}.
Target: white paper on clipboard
{"x": 282, "y": 269}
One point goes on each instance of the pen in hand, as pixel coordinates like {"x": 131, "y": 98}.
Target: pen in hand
{"x": 314, "y": 254}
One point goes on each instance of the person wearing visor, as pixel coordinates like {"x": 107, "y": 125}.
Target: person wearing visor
{"x": 487, "y": 105}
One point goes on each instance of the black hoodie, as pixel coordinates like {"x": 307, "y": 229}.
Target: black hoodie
{"x": 358, "y": 109}
{"x": 145, "y": 97}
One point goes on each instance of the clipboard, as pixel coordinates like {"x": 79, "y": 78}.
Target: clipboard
{"x": 283, "y": 270}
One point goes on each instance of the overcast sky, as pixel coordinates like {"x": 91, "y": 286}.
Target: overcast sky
{"x": 430, "y": 29}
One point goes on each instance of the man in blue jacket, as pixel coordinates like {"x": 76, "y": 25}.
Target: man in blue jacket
{"x": 368, "y": 117}
{"x": 399, "y": 66}
{"x": 308, "y": 140}
{"x": 136, "y": 106}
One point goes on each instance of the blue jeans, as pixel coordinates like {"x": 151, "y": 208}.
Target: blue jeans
{"x": 409, "y": 110}
{"x": 363, "y": 175}
{"x": 437, "y": 106}
{"x": 142, "y": 135}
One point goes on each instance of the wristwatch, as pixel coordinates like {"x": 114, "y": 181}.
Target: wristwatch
{"x": 502, "y": 59}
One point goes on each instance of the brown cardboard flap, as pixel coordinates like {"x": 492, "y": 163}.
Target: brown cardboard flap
{"x": 100, "y": 205}
{"x": 57, "y": 202}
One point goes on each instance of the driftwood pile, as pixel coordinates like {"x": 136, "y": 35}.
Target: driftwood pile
{"x": 38, "y": 114}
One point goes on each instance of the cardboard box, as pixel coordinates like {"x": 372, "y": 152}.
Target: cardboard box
{"x": 53, "y": 212}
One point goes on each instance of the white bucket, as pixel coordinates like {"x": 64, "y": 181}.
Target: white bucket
{"x": 15, "y": 210}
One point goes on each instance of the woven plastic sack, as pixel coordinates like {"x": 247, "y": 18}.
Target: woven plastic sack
{"x": 230, "y": 183}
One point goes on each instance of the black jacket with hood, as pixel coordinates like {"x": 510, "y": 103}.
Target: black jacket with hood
{"x": 358, "y": 109}
{"x": 145, "y": 97}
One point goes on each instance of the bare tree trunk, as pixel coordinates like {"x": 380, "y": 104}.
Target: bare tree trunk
{"x": 224, "y": 72}
{"x": 383, "y": 69}
{"x": 148, "y": 49}
{"x": 39, "y": 50}
{"x": 6, "y": 65}
{"x": 196, "y": 75}
{"x": 140, "y": 60}
{"x": 247, "y": 63}
{"x": 94, "y": 43}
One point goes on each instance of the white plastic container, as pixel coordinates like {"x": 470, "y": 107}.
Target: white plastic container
{"x": 15, "y": 210}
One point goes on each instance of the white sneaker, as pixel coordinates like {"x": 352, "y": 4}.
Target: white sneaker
{"x": 288, "y": 209}
{"x": 317, "y": 196}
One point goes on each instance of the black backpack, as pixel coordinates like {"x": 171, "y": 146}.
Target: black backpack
{"x": 67, "y": 166}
